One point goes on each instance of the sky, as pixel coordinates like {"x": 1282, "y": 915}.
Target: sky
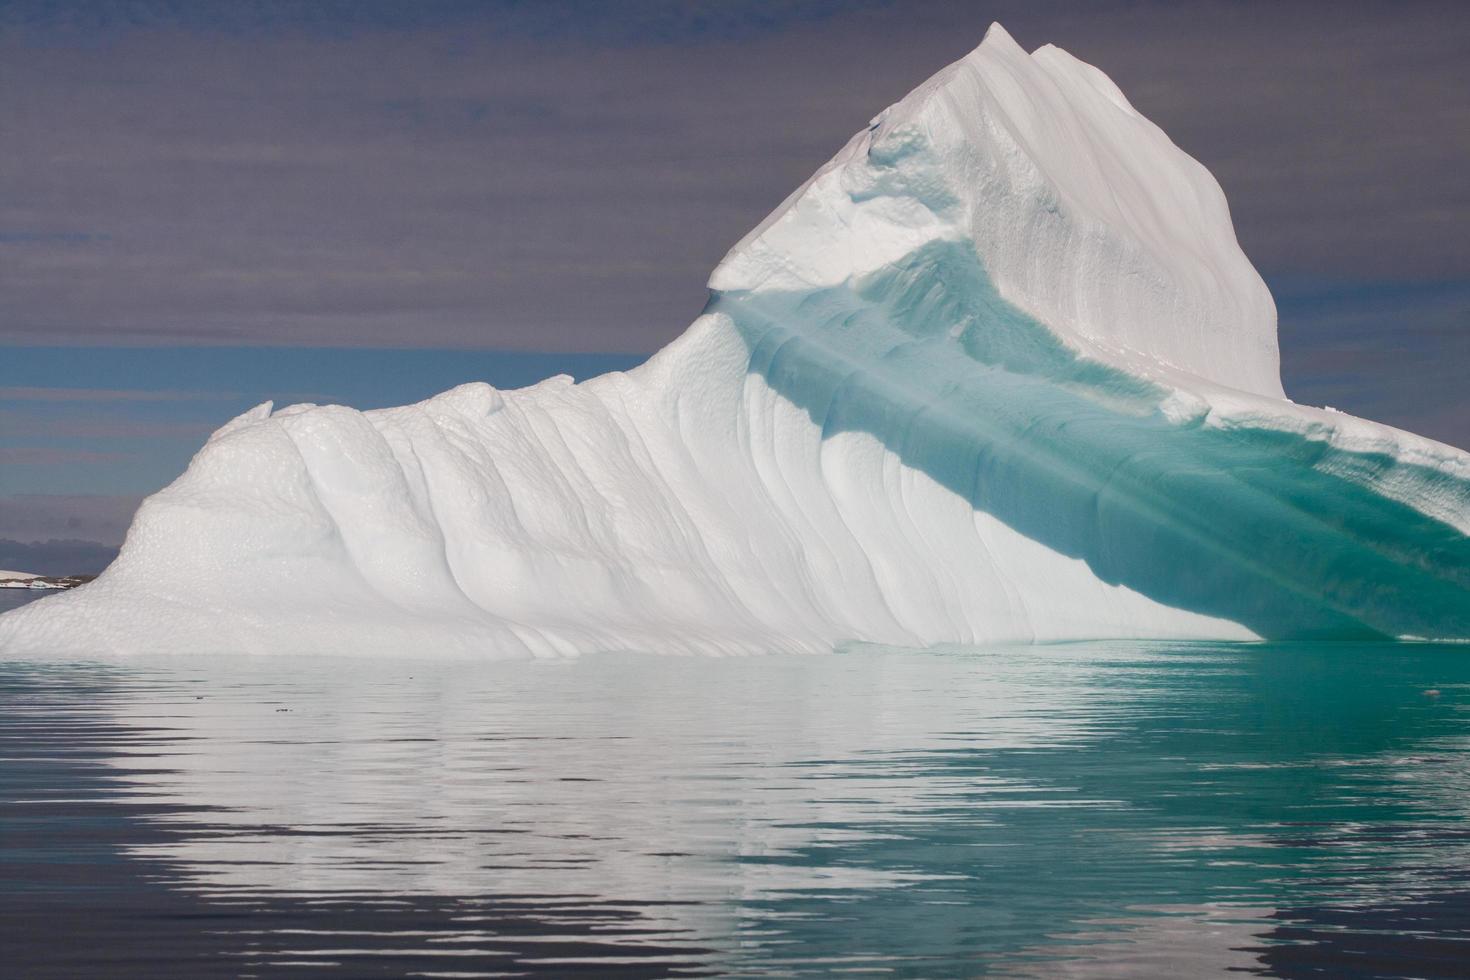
{"x": 208, "y": 203}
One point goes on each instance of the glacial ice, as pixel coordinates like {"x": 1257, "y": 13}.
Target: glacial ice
{"x": 997, "y": 372}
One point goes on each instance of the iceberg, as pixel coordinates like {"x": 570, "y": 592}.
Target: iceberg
{"x": 997, "y": 372}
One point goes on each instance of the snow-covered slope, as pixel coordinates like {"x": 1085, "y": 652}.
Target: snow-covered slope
{"x": 998, "y": 371}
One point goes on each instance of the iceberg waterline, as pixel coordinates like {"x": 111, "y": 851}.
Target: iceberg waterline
{"x": 999, "y": 371}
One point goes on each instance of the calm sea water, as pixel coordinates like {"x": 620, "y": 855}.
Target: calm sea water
{"x": 1128, "y": 810}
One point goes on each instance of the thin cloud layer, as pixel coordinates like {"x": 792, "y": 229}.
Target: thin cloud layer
{"x": 483, "y": 176}
{"x": 32, "y": 393}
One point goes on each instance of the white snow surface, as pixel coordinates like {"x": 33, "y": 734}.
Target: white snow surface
{"x": 999, "y": 371}
{"x": 1087, "y": 216}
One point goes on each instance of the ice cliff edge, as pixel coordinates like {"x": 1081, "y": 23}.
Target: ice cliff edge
{"x": 999, "y": 371}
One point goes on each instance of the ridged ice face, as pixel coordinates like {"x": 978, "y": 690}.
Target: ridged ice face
{"x": 999, "y": 371}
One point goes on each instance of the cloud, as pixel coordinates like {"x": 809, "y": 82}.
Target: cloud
{"x": 115, "y": 427}
{"x": 563, "y": 177}
{"x": 51, "y": 456}
{"x": 50, "y": 237}
{"x": 38, "y": 394}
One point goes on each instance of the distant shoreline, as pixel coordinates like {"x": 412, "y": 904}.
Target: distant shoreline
{"x": 47, "y": 582}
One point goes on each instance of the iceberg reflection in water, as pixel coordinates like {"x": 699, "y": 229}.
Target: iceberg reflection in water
{"x": 1144, "y": 810}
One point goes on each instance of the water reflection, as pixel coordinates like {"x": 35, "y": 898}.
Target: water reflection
{"x": 1081, "y": 809}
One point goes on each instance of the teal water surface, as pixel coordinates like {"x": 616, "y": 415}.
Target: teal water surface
{"x": 1117, "y": 809}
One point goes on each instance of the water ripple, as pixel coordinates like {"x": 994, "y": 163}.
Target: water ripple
{"x": 1115, "y": 809}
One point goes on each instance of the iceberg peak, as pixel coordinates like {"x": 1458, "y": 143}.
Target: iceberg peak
{"x": 1083, "y": 213}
